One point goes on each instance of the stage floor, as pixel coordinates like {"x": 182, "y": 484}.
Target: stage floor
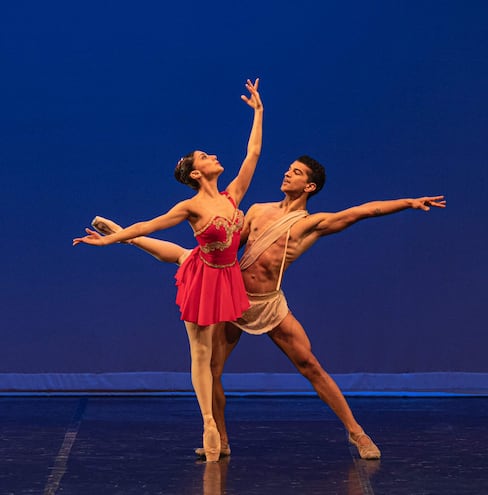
{"x": 280, "y": 445}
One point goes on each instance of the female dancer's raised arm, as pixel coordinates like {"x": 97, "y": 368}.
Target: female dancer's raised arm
{"x": 239, "y": 186}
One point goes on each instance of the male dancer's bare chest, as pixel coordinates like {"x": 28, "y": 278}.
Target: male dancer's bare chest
{"x": 264, "y": 272}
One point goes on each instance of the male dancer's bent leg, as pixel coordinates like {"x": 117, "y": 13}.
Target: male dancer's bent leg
{"x": 292, "y": 339}
{"x": 224, "y": 344}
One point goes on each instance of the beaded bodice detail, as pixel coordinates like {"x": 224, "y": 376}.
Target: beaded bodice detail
{"x": 219, "y": 239}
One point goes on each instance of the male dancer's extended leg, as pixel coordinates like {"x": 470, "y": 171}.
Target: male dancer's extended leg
{"x": 291, "y": 338}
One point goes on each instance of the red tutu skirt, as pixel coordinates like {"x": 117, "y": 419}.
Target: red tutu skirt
{"x": 208, "y": 295}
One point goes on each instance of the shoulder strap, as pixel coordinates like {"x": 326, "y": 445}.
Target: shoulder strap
{"x": 229, "y": 197}
{"x": 282, "y": 267}
{"x": 269, "y": 236}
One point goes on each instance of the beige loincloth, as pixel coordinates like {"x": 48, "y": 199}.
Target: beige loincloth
{"x": 267, "y": 311}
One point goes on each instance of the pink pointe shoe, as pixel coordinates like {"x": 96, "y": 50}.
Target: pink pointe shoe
{"x": 224, "y": 451}
{"x": 211, "y": 442}
{"x": 105, "y": 226}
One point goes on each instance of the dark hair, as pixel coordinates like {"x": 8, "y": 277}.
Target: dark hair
{"x": 183, "y": 170}
{"x": 317, "y": 173}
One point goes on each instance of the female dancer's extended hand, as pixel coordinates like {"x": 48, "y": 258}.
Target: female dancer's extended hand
{"x": 254, "y": 101}
{"x": 93, "y": 238}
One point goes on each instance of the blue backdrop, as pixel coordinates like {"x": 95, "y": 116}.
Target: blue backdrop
{"x": 100, "y": 99}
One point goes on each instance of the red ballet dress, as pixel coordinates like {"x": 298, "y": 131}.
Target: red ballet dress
{"x": 209, "y": 282}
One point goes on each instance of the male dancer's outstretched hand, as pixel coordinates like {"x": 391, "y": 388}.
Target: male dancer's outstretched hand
{"x": 426, "y": 202}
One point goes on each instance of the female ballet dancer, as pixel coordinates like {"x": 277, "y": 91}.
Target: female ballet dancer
{"x": 210, "y": 290}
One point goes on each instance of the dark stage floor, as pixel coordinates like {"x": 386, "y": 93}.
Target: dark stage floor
{"x": 280, "y": 445}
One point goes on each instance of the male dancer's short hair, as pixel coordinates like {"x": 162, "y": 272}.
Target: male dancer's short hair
{"x": 317, "y": 173}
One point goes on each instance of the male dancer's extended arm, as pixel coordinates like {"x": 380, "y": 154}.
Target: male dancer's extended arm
{"x": 321, "y": 224}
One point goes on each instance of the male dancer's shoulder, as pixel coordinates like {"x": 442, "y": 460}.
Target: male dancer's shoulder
{"x": 261, "y": 207}
{"x": 260, "y": 215}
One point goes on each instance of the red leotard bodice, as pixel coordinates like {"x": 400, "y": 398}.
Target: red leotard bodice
{"x": 210, "y": 286}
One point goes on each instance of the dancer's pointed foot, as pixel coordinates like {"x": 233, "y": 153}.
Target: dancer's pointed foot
{"x": 211, "y": 441}
{"x": 224, "y": 451}
{"x": 105, "y": 226}
{"x": 366, "y": 447}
